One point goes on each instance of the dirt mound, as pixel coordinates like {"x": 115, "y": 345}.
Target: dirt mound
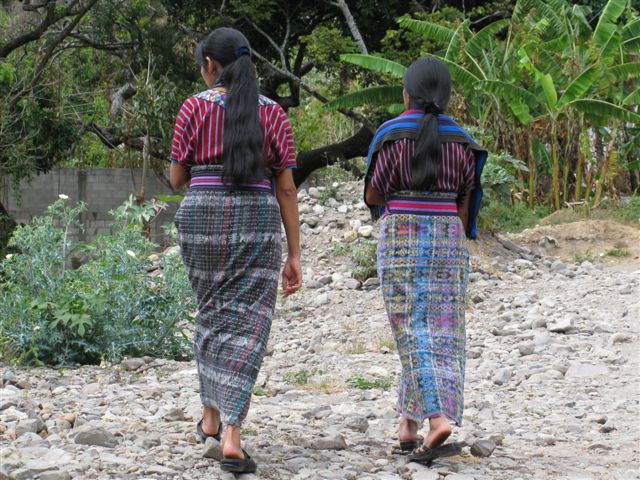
{"x": 592, "y": 240}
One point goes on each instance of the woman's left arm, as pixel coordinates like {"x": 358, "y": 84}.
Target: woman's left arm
{"x": 179, "y": 175}
{"x": 373, "y": 197}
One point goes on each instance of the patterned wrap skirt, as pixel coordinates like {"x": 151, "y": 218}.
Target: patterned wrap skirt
{"x": 230, "y": 245}
{"x": 423, "y": 264}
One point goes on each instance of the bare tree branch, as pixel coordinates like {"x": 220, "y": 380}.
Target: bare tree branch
{"x": 314, "y": 92}
{"x": 277, "y": 47}
{"x": 342, "y": 5}
{"x": 123, "y": 94}
{"x": 49, "y": 51}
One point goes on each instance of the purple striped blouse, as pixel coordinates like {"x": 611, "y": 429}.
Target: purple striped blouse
{"x": 392, "y": 172}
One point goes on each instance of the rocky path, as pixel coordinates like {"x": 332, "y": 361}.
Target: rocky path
{"x": 552, "y": 388}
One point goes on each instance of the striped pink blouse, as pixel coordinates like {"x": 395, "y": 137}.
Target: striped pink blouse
{"x": 392, "y": 172}
{"x": 198, "y": 133}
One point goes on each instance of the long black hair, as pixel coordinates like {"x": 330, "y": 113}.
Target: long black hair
{"x": 428, "y": 84}
{"x": 243, "y": 147}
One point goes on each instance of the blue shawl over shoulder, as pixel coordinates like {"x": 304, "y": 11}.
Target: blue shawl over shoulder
{"x": 406, "y": 126}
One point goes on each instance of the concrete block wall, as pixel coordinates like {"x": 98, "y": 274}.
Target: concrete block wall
{"x": 102, "y": 189}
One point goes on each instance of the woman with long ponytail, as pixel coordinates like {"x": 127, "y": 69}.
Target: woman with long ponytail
{"x": 235, "y": 149}
{"x": 423, "y": 176}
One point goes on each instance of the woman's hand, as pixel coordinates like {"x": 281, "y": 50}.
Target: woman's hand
{"x": 291, "y": 276}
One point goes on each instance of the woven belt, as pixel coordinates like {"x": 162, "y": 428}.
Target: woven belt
{"x": 210, "y": 178}
{"x": 422, "y": 203}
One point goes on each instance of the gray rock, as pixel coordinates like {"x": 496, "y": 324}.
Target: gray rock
{"x": 620, "y": 337}
{"x": 561, "y": 325}
{"x": 30, "y": 439}
{"x": 35, "y": 425}
{"x": 482, "y": 448}
{"x": 320, "y": 300}
{"x": 425, "y": 475}
{"x": 175, "y": 415}
{"x": 93, "y": 435}
{"x": 334, "y": 442}
{"x": 585, "y": 370}
{"x": 55, "y": 475}
{"x": 526, "y": 348}
{"x": 352, "y": 284}
{"x": 460, "y": 476}
{"x": 365, "y": 231}
{"x": 607, "y": 427}
{"x": 212, "y": 449}
{"x": 313, "y": 192}
{"x": 371, "y": 282}
{"x": 132, "y": 364}
{"x": 558, "y": 266}
{"x": 321, "y": 411}
{"x": 358, "y": 423}
{"x": 477, "y": 298}
{"x": 502, "y": 376}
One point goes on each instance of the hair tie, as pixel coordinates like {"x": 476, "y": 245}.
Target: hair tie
{"x": 241, "y": 51}
{"x": 433, "y": 109}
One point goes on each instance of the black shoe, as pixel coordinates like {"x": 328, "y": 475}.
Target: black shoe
{"x": 238, "y": 465}
{"x": 202, "y": 437}
{"x": 410, "y": 445}
{"x": 426, "y": 455}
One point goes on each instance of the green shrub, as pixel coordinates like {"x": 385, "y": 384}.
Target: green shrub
{"x": 300, "y": 377}
{"x": 364, "y": 256}
{"x": 362, "y": 383}
{"x": 618, "y": 252}
{"x": 108, "y": 308}
{"x": 509, "y": 218}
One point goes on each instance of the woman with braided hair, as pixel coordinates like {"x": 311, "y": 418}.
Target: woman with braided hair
{"x": 423, "y": 178}
{"x": 235, "y": 149}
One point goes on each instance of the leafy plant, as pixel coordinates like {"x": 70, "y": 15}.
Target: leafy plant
{"x": 108, "y": 308}
{"x": 362, "y": 383}
{"x": 300, "y": 377}
{"x": 619, "y": 252}
{"x": 364, "y": 256}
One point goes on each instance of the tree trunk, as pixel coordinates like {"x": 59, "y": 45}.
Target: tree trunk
{"x": 7, "y": 225}
{"x": 532, "y": 171}
{"x": 311, "y": 160}
{"x": 608, "y": 160}
{"x": 555, "y": 167}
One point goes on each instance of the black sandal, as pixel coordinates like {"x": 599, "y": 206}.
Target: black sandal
{"x": 238, "y": 465}
{"x": 202, "y": 437}
{"x": 426, "y": 455}
{"x": 410, "y": 445}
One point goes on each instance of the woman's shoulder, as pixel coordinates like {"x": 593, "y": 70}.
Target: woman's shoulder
{"x": 267, "y": 102}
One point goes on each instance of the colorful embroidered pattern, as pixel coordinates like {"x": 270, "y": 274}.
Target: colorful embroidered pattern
{"x": 230, "y": 244}
{"x": 209, "y": 177}
{"x": 420, "y": 203}
{"x": 423, "y": 263}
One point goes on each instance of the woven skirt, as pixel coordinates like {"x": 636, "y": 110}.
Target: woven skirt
{"x": 423, "y": 263}
{"x": 230, "y": 244}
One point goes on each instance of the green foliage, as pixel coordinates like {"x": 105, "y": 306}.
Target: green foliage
{"x": 500, "y": 176}
{"x": 585, "y": 256}
{"x": 301, "y": 377}
{"x": 259, "y": 391}
{"x": 619, "y": 252}
{"x": 362, "y": 383}
{"x": 364, "y": 255}
{"x": 504, "y": 217}
{"x": 108, "y": 308}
